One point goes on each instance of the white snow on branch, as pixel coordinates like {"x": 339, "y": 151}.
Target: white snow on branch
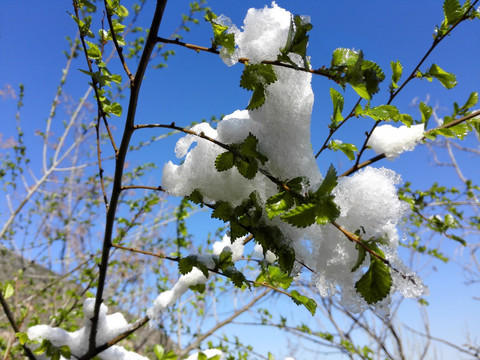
{"x": 195, "y": 276}
{"x": 109, "y": 327}
{"x": 392, "y": 141}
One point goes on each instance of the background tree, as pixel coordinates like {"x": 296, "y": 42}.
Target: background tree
{"x": 55, "y": 215}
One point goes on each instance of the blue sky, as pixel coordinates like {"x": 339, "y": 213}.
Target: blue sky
{"x": 32, "y": 40}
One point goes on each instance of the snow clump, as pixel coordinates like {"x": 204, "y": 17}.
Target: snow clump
{"x": 195, "y": 276}
{"x": 393, "y": 141}
{"x": 109, "y": 327}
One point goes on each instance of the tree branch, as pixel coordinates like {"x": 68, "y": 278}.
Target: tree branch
{"x": 119, "y": 166}
{"x": 13, "y": 324}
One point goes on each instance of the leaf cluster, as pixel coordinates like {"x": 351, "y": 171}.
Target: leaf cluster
{"x": 256, "y": 78}
{"x": 454, "y": 12}
{"x": 349, "y": 67}
{"x": 221, "y": 37}
{"x": 376, "y": 282}
{"x": 460, "y": 130}
{"x": 244, "y": 156}
{"x": 448, "y": 80}
{"x": 297, "y": 41}
{"x": 317, "y": 207}
{"x": 383, "y": 113}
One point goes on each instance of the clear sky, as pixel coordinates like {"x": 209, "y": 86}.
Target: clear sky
{"x": 196, "y": 86}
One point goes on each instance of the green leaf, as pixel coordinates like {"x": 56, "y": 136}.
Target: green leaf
{"x": 361, "y": 90}
{"x": 237, "y": 230}
{"x": 426, "y": 112}
{"x": 8, "y": 290}
{"x": 220, "y": 35}
{"x": 224, "y": 259}
{"x": 121, "y": 11}
{"x": 326, "y": 211}
{"x": 248, "y": 169}
{"x": 256, "y": 78}
{"x": 338, "y": 102}
{"x": 397, "y": 70}
{"x": 186, "y": 264}
{"x": 278, "y": 204}
{"x": 376, "y": 283}
{"x": 471, "y": 101}
{"x": 452, "y": 10}
{"x": 345, "y": 57}
{"x": 362, "y": 254}
{"x": 224, "y": 161}
{"x": 249, "y": 149}
{"x": 372, "y": 76}
{"x": 196, "y": 197}
{"x": 198, "y": 288}
{"x": 297, "y": 40}
{"x": 237, "y": 277}
{"x": 22, "y": 337}
{"x": 328, "y": 183}
{"x": 296, "y": 184}
{"x": 458, "y": 239}
{"x": 93, "y": 51}
{"x": 115, "y": 109}
{"x": 223, "y": 211}
{"x": 279, "y": 278}
{"x": 159, "y": 351}
{"x": 447, "y": 79}
{"x": 347, "y": 149}
{"x": 298, "y": 299}
{"x": 384, "y": 112}
{"x": 301, "y": 216}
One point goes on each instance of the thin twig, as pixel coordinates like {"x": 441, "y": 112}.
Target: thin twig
{"x": 197, "y": 48}
{"x": 333, "y": 130}
{"x": 13, "y": 324}
{"x": 221, "y": 324}
{"x": 117, "y": 46}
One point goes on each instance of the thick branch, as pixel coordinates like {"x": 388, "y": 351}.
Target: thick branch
{"x": 119, "y": 166}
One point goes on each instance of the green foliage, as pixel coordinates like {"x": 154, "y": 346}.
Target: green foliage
{"x": 7, "y": 290}
{"x": 318, "y": 207}
{"x": 274, "y": 276}
{"x": 338, "y": 102}
{"x": 349, "y": 67}
{"x": 383, "y": 113}
{"x": 297, "y": 41}
{"x": 52, "y": 352}
{"x": 397, "y": 70}
{"x": 347, "y": 149}
{"x": 454, "y": 13}
{"x": 376, "y": 283}
{"x": 447, "y": 79}
{"x": 256, "y": 78}
{"x": 196, "y": 197}
{"x": 299, "y": 299}
{"x": 462, "y": 129}
{"x": 186, "y": 264}
{"x": 220, "y": 34}
{"x": 160, "y": 353}
{"x": 244, "y": 156}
